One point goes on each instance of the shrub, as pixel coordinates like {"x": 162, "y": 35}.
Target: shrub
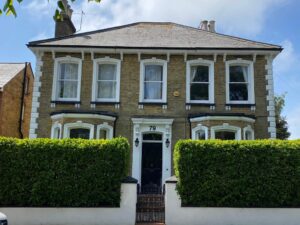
{"x": 62, "y": 173}
{"x": 218, "y": 173}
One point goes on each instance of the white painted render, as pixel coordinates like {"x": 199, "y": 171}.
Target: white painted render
{"x": 124, "y": 215}
{"x": 177, "y": 215}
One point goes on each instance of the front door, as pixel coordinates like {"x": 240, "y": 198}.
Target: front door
{"x": 151, "y": 164}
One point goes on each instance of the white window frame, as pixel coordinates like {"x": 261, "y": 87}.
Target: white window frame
{"x": 55, "y": 126}
{"x": 251, "y": 95}
{"x": 109, "y": 129}
{"x": 159, "y": 62}
{"x": 101, "y": 61}
{"x": 248, "y": 129}
{"x": 57, "y": 62}
{"x": 211, "y": 92}
{"x": 226, "y": 127}
{"x": 78, "y": 124}
{"x": 198, "y": 128}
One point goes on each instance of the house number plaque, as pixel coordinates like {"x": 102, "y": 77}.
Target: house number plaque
{"x": 152, "y": 128}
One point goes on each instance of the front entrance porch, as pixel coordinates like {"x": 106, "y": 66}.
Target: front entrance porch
{"x": 151, "y": 164}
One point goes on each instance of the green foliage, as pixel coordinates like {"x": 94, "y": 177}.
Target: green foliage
{"x": 57, "y": 173}
{"x": 9, "y": 7}
{"x": 281, "y": 123}
{"x": 219, "y": 173}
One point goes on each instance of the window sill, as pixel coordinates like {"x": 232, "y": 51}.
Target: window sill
{"x": 104, "y": 103}
{"x": 66, "y": 102}
{"x": 200, "y": 104}
{"x": 245, "y": 105}
{"x": 153, "y": 103}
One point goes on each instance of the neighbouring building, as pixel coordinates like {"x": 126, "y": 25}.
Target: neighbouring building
{"x": 16, "y": 88}
{"x": 153, "y": 83}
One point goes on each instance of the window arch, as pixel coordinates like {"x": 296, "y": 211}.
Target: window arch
{"x": 79, "y": 130}
{"x": 240, "y": 82}
{"x": 153, "y": 80}
{"x": 66, "y": 79}
{"x": 56, "y": 131}
{"x": 200, "y": 132}
{"x": 200, "y": 81}
{"x": 248, "y": 133}
{"x": 226, "y": 132}
{"x": 106, "y": 80}
{"x": 104, "y": 131}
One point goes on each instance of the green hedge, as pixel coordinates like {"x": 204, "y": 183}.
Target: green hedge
{"x": 238, "y": 173}
{"x": 62, "y": 173}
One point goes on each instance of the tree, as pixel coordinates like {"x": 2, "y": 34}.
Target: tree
{"x": 281, "y": 123}
{"x": 9, "y": 8}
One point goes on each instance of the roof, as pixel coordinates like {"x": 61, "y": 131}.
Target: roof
{"x": 154, "y": 35}
{"x": 8, "y": 71}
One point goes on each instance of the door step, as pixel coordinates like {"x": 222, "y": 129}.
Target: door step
{"x": 150, "y": 209}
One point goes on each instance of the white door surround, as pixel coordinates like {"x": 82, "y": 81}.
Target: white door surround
{"x": 145, "y": 125}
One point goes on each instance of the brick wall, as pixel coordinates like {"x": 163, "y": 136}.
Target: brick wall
{"x": 11, "y": 106}
{"x": 130, "y": 69}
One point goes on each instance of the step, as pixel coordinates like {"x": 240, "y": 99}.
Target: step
{"x": 149, "y": 224}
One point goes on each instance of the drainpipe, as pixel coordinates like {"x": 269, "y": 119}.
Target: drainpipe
{"x": 190, "y": 123}
{"x": 115, "y": 124}
{"x": 22, "y": 102}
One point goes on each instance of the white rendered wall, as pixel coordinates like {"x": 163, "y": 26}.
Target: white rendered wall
{"x": 177, "y": 215}
{"x": 124, "y": 215}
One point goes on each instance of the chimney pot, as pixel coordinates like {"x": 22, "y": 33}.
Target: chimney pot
{"x": 203, "y": 25}
{"x": 212, "y": 26}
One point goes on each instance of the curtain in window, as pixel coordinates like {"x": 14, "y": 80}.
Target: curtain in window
{"x": 68, "y": 80}
{"x": 153, "y": 82}
{"x": 107, "y": 81}
{"x": 199, "y": 84}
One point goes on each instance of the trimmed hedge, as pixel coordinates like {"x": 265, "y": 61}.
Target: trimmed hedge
{"x": 218, "y": 173}
{"x": 62, "y": 173}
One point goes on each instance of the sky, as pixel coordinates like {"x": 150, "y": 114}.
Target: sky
{"x": 271, "y": 21}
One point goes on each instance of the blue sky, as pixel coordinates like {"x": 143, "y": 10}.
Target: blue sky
{"x": 272, "y": 21}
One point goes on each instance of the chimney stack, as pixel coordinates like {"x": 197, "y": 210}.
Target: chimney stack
{"x": 65, "y": 27}
{"x": 203, "y": 25}
{"x": 212, "y": 26}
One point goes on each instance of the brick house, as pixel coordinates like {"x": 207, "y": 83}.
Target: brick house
{"x": 16, "y": 84}
{"x": 153, "y": 83}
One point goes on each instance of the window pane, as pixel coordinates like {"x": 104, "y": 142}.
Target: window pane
{"x": 103, "y": 134}
{"x": 238, "y": 73}
{"x": 107, "y": 72}
{"x": 248, "y": 135}
{"x": 200, "y": 135}
{"x": 225, "y": 135}
{"x": 152, "y": 137}
{"x": 238, "y": 92}
{"x": 56, "y": 132}
{"x": 106, "y": 89}
{"x": 80, "y": 133}
{"x": 199, "y": 74}
{"x": 153, "y": 90}
{"x": 69, "y": 71}
{"x": 67, "y": 89}
{"x": 199, "y": 92}
{"x": 153, "y": 73}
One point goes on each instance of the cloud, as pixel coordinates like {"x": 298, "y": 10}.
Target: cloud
{"x": 40, "y": 8}
{"x": 245, "y": 17}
